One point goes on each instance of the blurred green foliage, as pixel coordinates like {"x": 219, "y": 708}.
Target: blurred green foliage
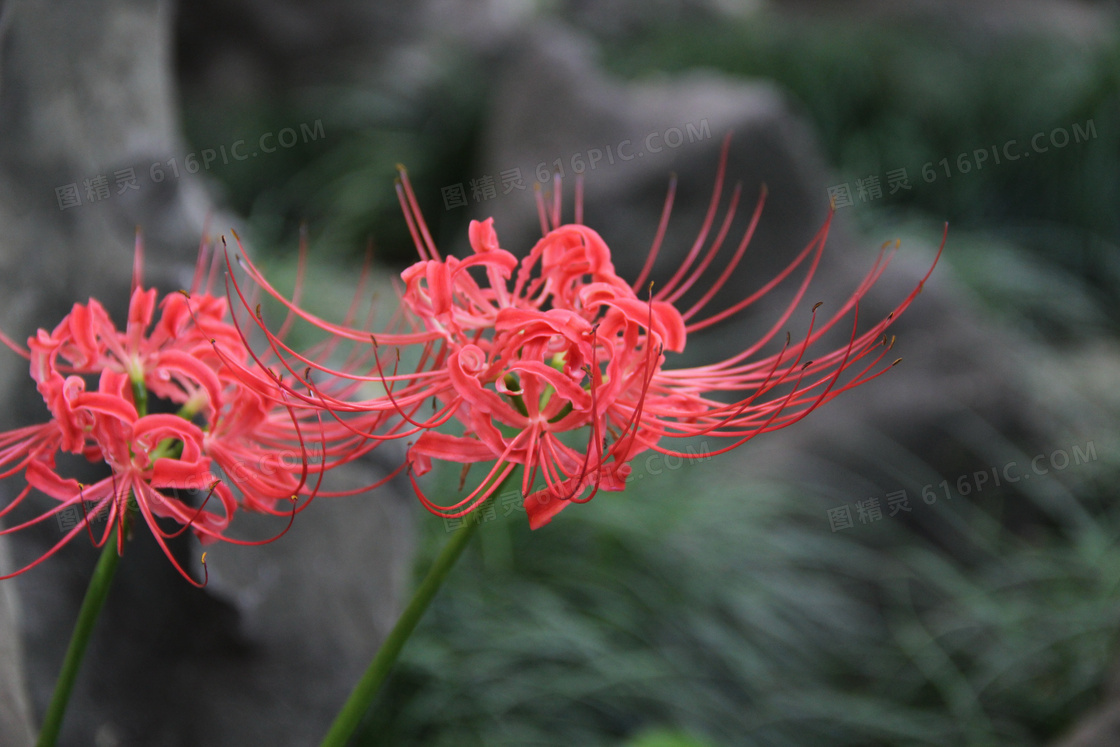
{"x": 909, "y": 93}
{"x": 704, "y": 602}
{"x": 704, "y": 608}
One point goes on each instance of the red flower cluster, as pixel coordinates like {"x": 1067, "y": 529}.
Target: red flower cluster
{"x": 552, "y": 362}
{"x": 555, "y": 363}
{"x": 192, "y": 357}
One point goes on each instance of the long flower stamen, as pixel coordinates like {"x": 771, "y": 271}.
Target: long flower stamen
{"x": 515, "y": 357}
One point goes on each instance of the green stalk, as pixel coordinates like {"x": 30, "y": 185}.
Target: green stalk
{"x": 91, "y": 606}
{"x": 367, "y": 688}
{"x": 96, "y": 594}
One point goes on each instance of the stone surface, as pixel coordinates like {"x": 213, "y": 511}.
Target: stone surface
{"x": 16, "y": 728}
{"x": 268, "y": 651}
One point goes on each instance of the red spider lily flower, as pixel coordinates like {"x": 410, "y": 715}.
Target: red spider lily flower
{"x": 190, "y": 357}
{"x": 138, "y": 450}
{"x": 555, "y": 363}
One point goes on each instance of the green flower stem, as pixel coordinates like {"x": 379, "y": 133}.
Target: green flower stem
{"x": 91, "y": 606}
{"x": 167, "y": 448}
{"x": 367, "y": 688}
{"x": 139, "y": 393}
{"x": 96, "y": 594}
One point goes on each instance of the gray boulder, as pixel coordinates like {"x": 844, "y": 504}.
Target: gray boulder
{"x": 268, "y": 651}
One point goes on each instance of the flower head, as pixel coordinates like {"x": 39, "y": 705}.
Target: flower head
{"x": 555, "y": 363}
{"x": 190, "y": 357}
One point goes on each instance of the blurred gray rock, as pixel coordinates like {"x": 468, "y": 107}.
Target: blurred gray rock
{"x": 16, "y": 729}
{"x": 251, "y": 47}
{"x": 83, "y": 125}
{"x": 266, "y": 653}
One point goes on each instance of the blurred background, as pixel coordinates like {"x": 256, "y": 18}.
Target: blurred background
{"x": 931, "y": 559}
